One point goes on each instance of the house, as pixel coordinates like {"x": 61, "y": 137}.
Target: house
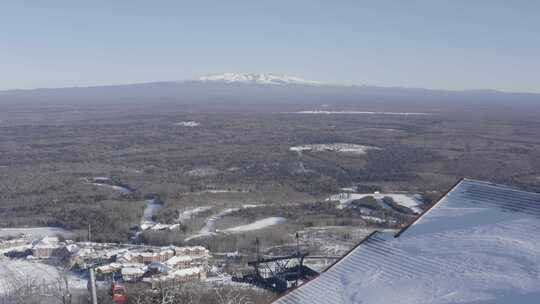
{"x": 193, "y": 251}
{"x": 148, "y": 256}
{"x": 179, "y": 262}
{"x": 46, "y": 247}
{"x": 132, "y": 273}
{"x": 109, "y": 268}
{"x": 177, "y": 277}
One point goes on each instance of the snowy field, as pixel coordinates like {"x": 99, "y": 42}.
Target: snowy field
{"x": 15, "y": 274}
{"x": 35, "y": 232}
{"x": 411, "y": 201}
{"x": 260, "y": 224}
{"x": 335, "y": 147}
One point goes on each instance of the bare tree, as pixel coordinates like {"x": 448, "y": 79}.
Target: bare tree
{"x": 31, "y": 291}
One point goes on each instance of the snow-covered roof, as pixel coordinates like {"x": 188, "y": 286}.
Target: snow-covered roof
{"x": 47, "y": 242}
{"x": 72, "y": 248}
{"x": 186, "y": 272}
{"x": 178, "y": 259}
{"x": 479, "y": 244}
{"x": 191, "y": 250}
{"x": 132, "y": 271}
{"x": 181, "y": 273}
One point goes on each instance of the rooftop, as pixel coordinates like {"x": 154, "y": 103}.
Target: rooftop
{"x": 478, "y": 244}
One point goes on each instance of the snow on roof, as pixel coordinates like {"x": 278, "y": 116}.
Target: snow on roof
{"x": 479, "y": 244}
{"x": 186, "y": 272}
{"x": 132, "y": 270}
{"x": 177, "y": 274}
{"x": 47, "y": 242}
{"x": 190, "y": 250}
{"x": 72, "y": 248}
{"x": 178, "y": 259}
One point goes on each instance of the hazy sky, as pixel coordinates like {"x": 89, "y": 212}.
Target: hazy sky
{"x": 450, "y": 44}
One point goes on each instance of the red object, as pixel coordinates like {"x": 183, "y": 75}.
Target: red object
{"x": 118, "y": 293}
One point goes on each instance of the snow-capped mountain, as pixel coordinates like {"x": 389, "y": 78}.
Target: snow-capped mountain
{"x": 254, "y": 78}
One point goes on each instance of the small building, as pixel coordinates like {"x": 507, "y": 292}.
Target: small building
{"x": 108, "y": 269}
{"x": 195, "y": 274}
{"x": 179, "y": 262}
{"x": 46, "y": 247}
{"x": 132, "y": 273}
{"x": 193, "y": 251}
{"x": 148, "y": 257}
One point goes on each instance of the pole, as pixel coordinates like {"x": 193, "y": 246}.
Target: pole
{"x": 93, "y": 292}
{"x": 257, "y": 244}
{"x": 89, "y": 232}
{"x": 297, "y": 243}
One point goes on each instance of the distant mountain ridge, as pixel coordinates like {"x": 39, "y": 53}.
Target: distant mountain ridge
{"x": 256, "y": 89}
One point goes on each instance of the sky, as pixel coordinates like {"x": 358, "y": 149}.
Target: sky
{"x": 457, "y": 44}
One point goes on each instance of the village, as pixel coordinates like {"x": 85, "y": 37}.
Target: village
{"x": 155, "y": 267}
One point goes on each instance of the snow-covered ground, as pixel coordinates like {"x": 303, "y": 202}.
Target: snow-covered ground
{"x": 190, "y": 124}
{"x": 360, "y": 113}
{"x": 152, "y": 208}
{"x": 147, "y": 221}
{"x": 373, "y": 219}
{"x": 217, "y": 191}
{"x": 18, "y": 273}
{"x": 15, "y": 273}
{"x": 35, "y": 232}
{"x": 189, "y": 214}
{"x": 334, "y": 147}
{"x": 107, "y": 182}
{"x": 210, "y": 226}
{"x": 411, "y": 201}
{"x": 260, "y": 224}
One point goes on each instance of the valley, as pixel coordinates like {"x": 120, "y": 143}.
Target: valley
{"x": 260, "y": 180}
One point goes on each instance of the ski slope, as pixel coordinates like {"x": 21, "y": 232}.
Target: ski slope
{"x": 257, "y": 225}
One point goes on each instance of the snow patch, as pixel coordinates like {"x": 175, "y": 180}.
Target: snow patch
{"x": 15, "y": 274}
{"x": 209, "y": 228}
{"x": 260, "y": 224}
{"x": 254, "y": 78}
{"x": 190, "y": 124}
{"x": 189, "y": 214}
{"x": 334, "y": 147}
{"x": 35, "y": 232}
{"x": 411, "y": 201}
